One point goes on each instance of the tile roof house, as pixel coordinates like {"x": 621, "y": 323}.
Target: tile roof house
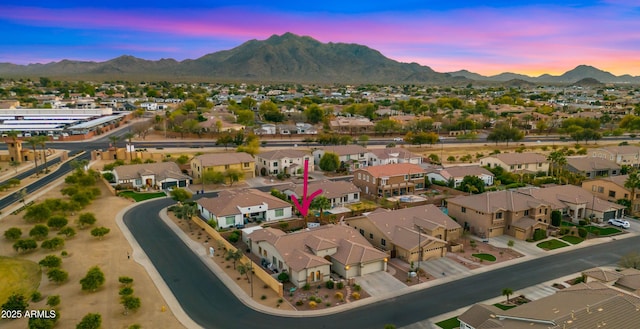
{"x": 354, "y": 156}
{"x": 591, "y": 167}
{"x": 309, "y": 256}
{"x": 576, "y": 203}
{"x": 585, "y": 305}
{"x": 406, "y": 233}
{"x": 221, "y": 162}
{"x": 517, "y": 162}
{"x": 391, "y": 155}
{"x": 458, "y": 173}
{"x": 612, "y": 189}
{"x": 238, "y": 207}
{"x": 338, "y": 193}
{"x": 390, "y": 180}
{"x": 160, "y": 175}
{"x": 623, "y": 154}
{"x": 351, "y": 125}
{"x": 497, "y": 213}
{"x": 286, "y": 161}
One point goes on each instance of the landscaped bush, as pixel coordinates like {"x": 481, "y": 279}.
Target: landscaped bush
{"x": 283, "y": 277}
{"x": 556, "y": 218}
{"x": 539, "y": 235}
{"x": 582, "y": 232}
{"x": 329, "y": 284}
{"x": 312, "y": 305}
{"x": 582, "y": 222}
{"x": 355, "y": 295}
{"x": 339, "y": 296}
{"x": 306, "y": 287}
{"x": 340, "y": 285}
{"x": 234, "y": 237}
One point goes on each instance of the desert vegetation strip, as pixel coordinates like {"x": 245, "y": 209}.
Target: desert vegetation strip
{"x": 137, "y": 197}
{"x": 18, "y": 276}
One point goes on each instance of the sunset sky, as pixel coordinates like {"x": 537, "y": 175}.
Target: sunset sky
{"x": 529, "y": 37}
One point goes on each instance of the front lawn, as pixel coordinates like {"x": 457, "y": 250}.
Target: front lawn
{"x": 141, "y": 196}
{"x": 595, "y": 230}
{"x": 572, "y": 239}
{"x": 551, "y": 244}
{"x": 449, "y": 323}
{"x": 487, "y": 257}
{"x": 18, "y": 276}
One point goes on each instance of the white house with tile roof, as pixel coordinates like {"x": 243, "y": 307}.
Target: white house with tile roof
{"x": 160, "y": 175}
{"x": 517, "y": 162}
{"x": 458, "y": 173}
{"x": 286, "y": 161}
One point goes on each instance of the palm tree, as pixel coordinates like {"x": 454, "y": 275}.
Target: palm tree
{"x": 33, "y": 142}
{"x": 129, "y": 136}
{"x": 321, "y": 203}
{"x": 42, "y": 141}
{"x": 114, "y": 140}
{"x": 507, "y": 292}
{"x": 557, "y": 160}
{"x": 632, "y": 183}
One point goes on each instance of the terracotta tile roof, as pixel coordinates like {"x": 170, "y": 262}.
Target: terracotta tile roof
{"x": 603, "y": 275}
{"x": 162, "y": 170}
{"x": 220, "y": 159}
{"x": 619, "y": 149}
{"x": 630, "y": 279}
{"x": 395, "y": 169}
{"x": 490, "y": 202}
{"x": 618, "y": 180}
{"x": 477, "y": 314}
{"x": 393, "y": 153}
{"x": 590, "y": 164}
{"x": 330, "y": 189}
{"x": 228, "y": 201}
{"x": 462, "y": 171}
{"x": 520, "y": 158}
{"x": 345, "y": 149}
{"x": 281, "y": 154}
{"x": 559, "y": 196}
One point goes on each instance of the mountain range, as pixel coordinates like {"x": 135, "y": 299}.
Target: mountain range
{"x": 287, "y": 58}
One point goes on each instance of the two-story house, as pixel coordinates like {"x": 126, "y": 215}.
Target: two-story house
{"x": 517, "y": 162}
{"x": 353, "y": 156}
{"x": 239, "y": 207}
{"x": 286, "y": 161}
{"x": 410, "y": 234}
{"x": 456, "y": 174}
{"x": 390, "y": 180}
{"x": 591, "y": 167}
{"x": 497, "y": 213}
{"x": 309, "y": 256}
{"x": 221, "y": 162}
{"x": 624, "y": 155}
{"x": 338, "y": 193}
{"x": 612, "y": 189}
{"x": 391, "y": 155}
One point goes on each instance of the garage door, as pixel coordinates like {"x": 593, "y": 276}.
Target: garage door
{"x": 372, "y": 267}
{"x": 609, "y": 215}
{"x": 167, "y": 185}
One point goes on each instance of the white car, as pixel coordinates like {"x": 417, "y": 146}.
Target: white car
{"x": 619, "y": 222}
{"x": 398, "y": 139}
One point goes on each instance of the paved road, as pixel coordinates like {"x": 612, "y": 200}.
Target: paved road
{"x": 208, "y": 302}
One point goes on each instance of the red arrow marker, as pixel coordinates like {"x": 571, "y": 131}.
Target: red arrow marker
{"x": 303, "y": 207}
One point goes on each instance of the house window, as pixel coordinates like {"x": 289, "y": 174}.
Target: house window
{"x": 370, "y": 235}
{"x": 230, "y": 220}
{"x": 499, "y": 215}
{"x": 600, "y": 189}
{"x": 226, "y": 167}
{"x": 526, "y": 212}
{"x": 612, "y": 194}
{"x": 279, "y": 212}
{"x": 406, "y": 177}
{"x": 362, "y": 232}
{"x": 383, "y": 242}
{"x": 355, "y": 196}
{"x": 275, "y": 163}
{"x": 359, "y": 176}
{"x": 280, "y": 264}
{"x": 245, "y": 164}
{"x": 463, "y": 209}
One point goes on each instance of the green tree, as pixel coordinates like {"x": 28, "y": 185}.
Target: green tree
{"x": 16, "y": 302}
{"x": 329, "y": 162}
{"x": 50, "y": 261}
{"x": 386, "y": 126}
{"x": 630, "y": 260}
{"x": 100, "y": 232}
{"x": 233, "y": 255}
{"x": 15, "y": 165}
{"x": 93, "y": 280}
{"x": 472, "y": 185}
{"x": 43, "y": 323}
{"x": 53, "y": 243}
{"x": 39, "y": 232}
{"x": 363, "y": 139}
{"x": 507, "y": 292}
{"x": 214, "y": 177}
{"x": 314, "y": 114}
{"x": 90, "y": 321}
{"x": 125, "y": 291}
{"x": 57, "y": 275}
{"x": 37, "y": 213}
{"x": 53, "y": 300}
{"x": 13, "y": 233}
{"x": 67, "y": 231}
{"x": 233, "y": 175}
{"x": 57, "y": 222}
{"x": 130, "y": 303}
{"x": 245, "y": 269}
{"x": 42, "y": 142}
{"x": 25, "y": 245}
{"x": 633, "y": 183}
{"x": 86, "y": 219}
{"x": 225, "y": 140}
{"x": 180, "y": 195}
{"x": 321, "y": 203}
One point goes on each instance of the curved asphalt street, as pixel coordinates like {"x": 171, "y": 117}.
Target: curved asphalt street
{"x": 208, "y": 301}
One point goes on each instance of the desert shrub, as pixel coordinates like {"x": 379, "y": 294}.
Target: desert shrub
{"x": 234, "y": 237}
{"x": 329, "y": 284}
{"x": 582, "y": 232}
{"x": 355, "y": 295}
{"x": 356, "y": 287}
{"x": 306, "y": 287}
{"x": 339, "y": 296}
{"x": 283, "y": 277}
{"x": 340, "y": 285}
{"x": 312, "y": 305}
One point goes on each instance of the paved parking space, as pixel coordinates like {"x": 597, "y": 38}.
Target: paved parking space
{"x": 379, "y": 283}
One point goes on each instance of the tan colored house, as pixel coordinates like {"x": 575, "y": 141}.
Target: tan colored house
{"x": 628, "y": 155}
{"x": 612, "y": 189}
{"x": 309, "y": 256}
{"x": 410, "y": 234}
{"x": 390, "y": 180}
{"x": 591, "y": 167}
{"x": 497, "y": 213}
{"x": 160, "y": 175}
{"x": 627, "y": 279}
{"x": 221, "y": 162}
{"x": 286, "y": 161}
{"x": 389, "y": 155}
{"x": 576, "y": 203}
{"x": 351, "y": 125}
{"x": 517, "y": 162}
{"x": 585, "y": 305}
{"x": 338, "y": 193}
{"x": 456, "y": 174}
{"x": 353, "y": 156}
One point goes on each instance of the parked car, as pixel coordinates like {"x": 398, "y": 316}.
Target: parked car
{"x": 398, "y": 139}
{"x": 619, "y": 222}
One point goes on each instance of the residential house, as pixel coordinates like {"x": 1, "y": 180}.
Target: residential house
{"x": 351, "y": 125}
{"x": 391, "y": 155}
{"x": 305, "y": 129}
{"x": 627, "y": 279}
{"x": 353, "y": 156}
{"x": 591, "y": 167}
{"x": 585, "y": 305}
{"x": 456, "y": 174}
{"x": 390, "y": 180}
{"x": 517, "y": 162}
{"x": 221, "y": 162}
{"x": 161, "y": 175}
{"x": 410, "y": 234}
{"x": 339, "y": 193}
{"x": 285, "y": 161}
{"x": 266, "y": 129}
{"x": 497, "y": 213}
{"x": 576, "y": 203}
{"x": 612, "y": 189}
{"x": 309, "y": 256}
{"x": 238, "y": 207}
{"x": 624, "y": 155}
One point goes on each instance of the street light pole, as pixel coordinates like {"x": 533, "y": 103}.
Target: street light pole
{"x": 419, "y": 252}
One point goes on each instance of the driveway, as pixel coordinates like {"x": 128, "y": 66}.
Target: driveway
{"x": 379, "y": 283}
{"x": 523, "y": 247}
